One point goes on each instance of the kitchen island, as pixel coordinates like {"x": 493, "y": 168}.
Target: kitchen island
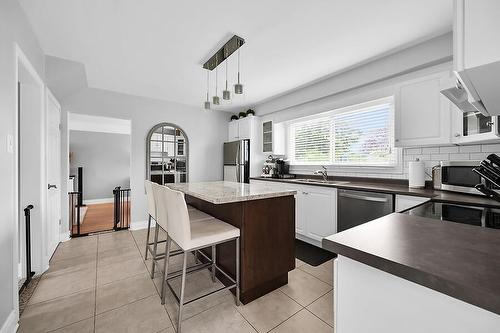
{"x": 266, "y": 219}
{"x": 412, "y": 274}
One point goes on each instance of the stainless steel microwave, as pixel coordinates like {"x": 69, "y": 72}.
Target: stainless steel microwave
{"x": 457, "y": 176}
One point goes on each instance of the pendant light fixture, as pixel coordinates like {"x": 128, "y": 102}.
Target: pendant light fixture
{"x": 207, "y": 102}
{"x": 238, "y": 87}
{"x": 215, "y": 99}
{"x": 221, "y": 55}
{"x": 226, "y": 94}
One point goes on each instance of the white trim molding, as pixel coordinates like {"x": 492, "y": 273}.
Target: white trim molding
{"x": 10, "y": 325}
{"x": 138, "y": 225}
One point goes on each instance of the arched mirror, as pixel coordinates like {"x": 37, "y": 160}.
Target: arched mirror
{"x": 167, "y": 154}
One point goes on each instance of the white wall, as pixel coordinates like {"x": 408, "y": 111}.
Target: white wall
{"x": 14, "y": 28}
{"x": 206, "y": 131}
{"x": 105, "y": 158}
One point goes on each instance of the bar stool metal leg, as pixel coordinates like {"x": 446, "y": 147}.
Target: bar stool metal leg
{"x": 165, "y": 269}
{"x": 155, "y": 245}
{"x": 214, "y": 256}
{"x": 183, "y": 285}
{"x": 147, "y": 238}
{"x": 238, "y": 271}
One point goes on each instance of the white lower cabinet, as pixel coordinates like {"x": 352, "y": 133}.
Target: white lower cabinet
{"x": 316, "y": 213}
{"x": 315, "y": 210}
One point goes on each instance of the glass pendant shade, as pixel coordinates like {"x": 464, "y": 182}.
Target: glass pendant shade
{"x": 207, "y": 105}
{"x": 216, "y": 100}
{"x": 238, "y": 89}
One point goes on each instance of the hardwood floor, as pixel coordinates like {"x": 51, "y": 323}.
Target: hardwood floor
{"x": 99, "y": 217}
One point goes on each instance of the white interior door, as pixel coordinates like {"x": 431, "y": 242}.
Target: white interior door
{"x": 53, "y": 174}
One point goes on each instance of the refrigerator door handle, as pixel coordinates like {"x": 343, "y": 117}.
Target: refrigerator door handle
{"x": 238, "y": 177}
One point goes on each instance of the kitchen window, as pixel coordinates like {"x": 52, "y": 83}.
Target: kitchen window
{"x": 360, "y": 135}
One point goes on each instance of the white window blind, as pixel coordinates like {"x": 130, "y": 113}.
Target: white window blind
{"x": 354, "y": 136}
{"x": 312, "y": 141}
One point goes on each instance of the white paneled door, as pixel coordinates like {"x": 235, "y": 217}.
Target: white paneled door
{"x": 53, "y": 174}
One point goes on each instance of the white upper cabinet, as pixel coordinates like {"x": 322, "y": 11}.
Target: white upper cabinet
{"x": 241, "y": 129}
{"x": 273, "y": 137}
{"x": 476, "y": 33}
{"x": 423, "y": 114}
{"x": 233, "y": 131}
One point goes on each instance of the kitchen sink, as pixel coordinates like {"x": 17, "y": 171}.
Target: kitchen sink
{"x": 321, "y": 181}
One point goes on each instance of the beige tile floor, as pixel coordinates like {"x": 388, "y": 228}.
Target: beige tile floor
{"x": 101, "y": 283}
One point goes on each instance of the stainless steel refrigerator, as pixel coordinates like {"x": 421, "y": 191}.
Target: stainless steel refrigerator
{"x": 237, "y": 161}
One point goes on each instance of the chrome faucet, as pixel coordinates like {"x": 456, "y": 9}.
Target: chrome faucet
{"x": 322, "y": 172}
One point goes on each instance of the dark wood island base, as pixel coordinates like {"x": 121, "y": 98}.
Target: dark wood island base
{"x": 267, "y": 228}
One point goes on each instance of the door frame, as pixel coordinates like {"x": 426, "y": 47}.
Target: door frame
{"x": 48, "y": 98}
{"x": 20, "y": 59}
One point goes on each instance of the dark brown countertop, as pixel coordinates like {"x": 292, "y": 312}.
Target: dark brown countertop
{"x": 458, "y": 260}
{"x": 395, "y": 187}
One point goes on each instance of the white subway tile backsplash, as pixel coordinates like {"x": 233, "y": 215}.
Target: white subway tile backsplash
{"x": 413, "y": 151}
{"x": 433, "y": 150}
{"x": 440, "y": 157}
{"x": 448, "y": 149}
{"x": 431, "y": 156}
{"x": 470, "y": 149}
{"x": 477, "y": 156}
{"x": 495, "y": 148}
{"x": 459, "y": 157}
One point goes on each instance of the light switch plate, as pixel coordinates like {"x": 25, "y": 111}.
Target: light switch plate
{"x": 10, "y": 144}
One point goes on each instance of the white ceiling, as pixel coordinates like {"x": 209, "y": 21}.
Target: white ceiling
{"x": 155, "y": 48}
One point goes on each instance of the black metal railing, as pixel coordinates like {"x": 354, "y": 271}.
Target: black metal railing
{"x": 121, "y": 208}
{"x": 74, "y": 213}
{"x": 29, "y": 273}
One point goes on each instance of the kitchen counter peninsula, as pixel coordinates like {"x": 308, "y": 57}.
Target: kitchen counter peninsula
{"x": 266, "y": 219}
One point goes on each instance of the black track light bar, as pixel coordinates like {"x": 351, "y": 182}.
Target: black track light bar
{"x": 231, "y": 46}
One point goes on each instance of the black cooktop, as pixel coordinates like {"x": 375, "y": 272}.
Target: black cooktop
{"x": 472, "y": 215}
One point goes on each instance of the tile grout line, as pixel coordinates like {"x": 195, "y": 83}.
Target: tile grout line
{"x": 157, "y": 291}
{"x": 317, "y": 317}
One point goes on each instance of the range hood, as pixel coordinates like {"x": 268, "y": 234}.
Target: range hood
{"x": 477, "y": 90}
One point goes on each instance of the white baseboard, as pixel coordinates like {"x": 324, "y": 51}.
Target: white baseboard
{"x": 64, "y": 236}
{"x": 137, "y": 225}
{"x": 98, "y": 201}
{"x": 10, "y": 324}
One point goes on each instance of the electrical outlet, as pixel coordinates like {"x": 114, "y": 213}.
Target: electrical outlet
{"x": 10, "y": 144}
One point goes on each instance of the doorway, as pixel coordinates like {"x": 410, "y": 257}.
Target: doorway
{"x": 99, "y": 185}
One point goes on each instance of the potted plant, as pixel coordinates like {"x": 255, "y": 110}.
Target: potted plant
{"x": 234, "y": 117}
{"x": 250, "y": 112}
{"x": 242, "y": 114}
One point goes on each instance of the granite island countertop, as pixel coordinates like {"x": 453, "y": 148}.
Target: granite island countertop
{"x": 221, "y": 192}
{"x": 461, "y": 261}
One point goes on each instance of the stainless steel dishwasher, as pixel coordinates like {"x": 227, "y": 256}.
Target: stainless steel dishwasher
{"x": 357, "y": 207}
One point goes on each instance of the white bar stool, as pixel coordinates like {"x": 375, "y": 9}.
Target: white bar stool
{"x": 148, "y": 185}
{"x": 191, "y": 237}
{"x": 161, "y": 222}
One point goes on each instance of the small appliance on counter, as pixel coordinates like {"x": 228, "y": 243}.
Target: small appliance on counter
{"x": 457, "y": 176}
{"x": 276, "y": 167}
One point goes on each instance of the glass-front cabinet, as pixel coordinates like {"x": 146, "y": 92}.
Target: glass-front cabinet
{"x": 167, "y": 154}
